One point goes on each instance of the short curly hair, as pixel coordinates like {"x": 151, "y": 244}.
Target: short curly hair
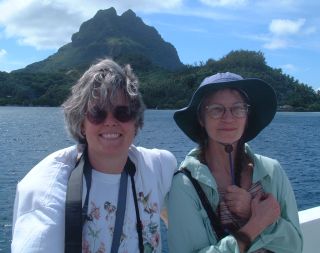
{"x": 99, "y": 85}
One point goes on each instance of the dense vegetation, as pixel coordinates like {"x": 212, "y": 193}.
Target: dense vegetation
{"x": 161, "y": 88}
{"x": 165, "y": 81}
{"x": 38, "y": 89}
{"x": 174, "y": 89}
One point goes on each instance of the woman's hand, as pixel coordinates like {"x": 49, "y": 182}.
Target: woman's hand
{"x": 265, "y": 209}
{"x": 238, "y": 201}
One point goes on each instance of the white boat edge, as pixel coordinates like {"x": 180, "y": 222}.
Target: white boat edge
{"x": 310, "y": 225}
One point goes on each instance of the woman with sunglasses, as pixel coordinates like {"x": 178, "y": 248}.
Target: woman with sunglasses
{"x": 122, "y": 186}
{"x": 225, "y": 198}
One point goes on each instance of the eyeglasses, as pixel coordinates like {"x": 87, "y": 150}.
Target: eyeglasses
{"x": 238, "y": 110}
{"x": 121, "y": 113}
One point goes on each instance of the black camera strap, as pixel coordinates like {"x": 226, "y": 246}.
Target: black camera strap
{"x": 214, "y": 220}
{"x": 76, "y": 215}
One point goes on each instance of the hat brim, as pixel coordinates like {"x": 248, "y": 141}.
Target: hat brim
{"x": 262, "y": 100}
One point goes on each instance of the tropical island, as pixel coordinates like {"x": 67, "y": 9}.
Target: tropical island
{"x": 166, "y": 83}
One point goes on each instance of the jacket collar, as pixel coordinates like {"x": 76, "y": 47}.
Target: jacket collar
{"x": 202, "y": 173}
{"x": 198, "y": 170}
{"x": 259, "y": 171}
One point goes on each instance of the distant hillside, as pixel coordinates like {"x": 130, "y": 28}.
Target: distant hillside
{"x": 174, "y": 89}
{"x": 165, "y": 81}
{"x": 125, "y": 38}
{"x": 161, "y": 88}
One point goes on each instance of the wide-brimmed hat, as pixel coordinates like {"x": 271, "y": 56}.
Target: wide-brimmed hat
{"x": 261, "y": 97}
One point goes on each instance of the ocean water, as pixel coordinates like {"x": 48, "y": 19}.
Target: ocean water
{"x": 28, "y": 134}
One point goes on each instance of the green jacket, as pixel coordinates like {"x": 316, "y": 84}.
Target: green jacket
{"x": 189, "y": 226}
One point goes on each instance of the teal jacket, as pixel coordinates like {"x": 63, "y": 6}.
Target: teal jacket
{"x": 189, "y": 226}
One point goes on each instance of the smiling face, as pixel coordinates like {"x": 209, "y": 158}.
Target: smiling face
{"x": 110, "y": 138}
{"x": 228, "y": 129}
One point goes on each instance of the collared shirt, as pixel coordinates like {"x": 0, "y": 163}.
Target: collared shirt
{"x": 189, "y": 226}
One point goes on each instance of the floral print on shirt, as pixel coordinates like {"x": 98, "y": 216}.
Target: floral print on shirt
{"x": 93, "y": 243}
{"x": 151, "y": 234}
{"x": 93, "y": 232}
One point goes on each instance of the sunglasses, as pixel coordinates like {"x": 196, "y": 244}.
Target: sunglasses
{"x": 238, "y": 110}
{"x": 121, "y": 113}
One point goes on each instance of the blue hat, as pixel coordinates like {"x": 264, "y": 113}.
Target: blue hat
{"x": 261, "y": 97}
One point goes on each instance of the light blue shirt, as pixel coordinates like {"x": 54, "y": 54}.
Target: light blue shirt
{"x": 189, "y": 226}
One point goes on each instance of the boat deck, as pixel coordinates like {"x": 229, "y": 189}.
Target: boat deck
{"x": 310, "y": 225}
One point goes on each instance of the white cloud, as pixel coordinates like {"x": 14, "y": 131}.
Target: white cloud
{"x": 3, "y": 52}
{"x": 286, "y": 33}
{"x": 146, "y": 5}
{"x": 272, "y": 5}
{"x": 49, "y": 24}
{"x": 281, "y": 27}
{"x": 43, "y": 25}
{"x": 276, "y": 44}
{"x": 225, "y": 3}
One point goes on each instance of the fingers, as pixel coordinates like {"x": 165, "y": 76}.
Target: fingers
{"x": 265, "y": 208}
{"x": 233, "y": 192}
{"x": 264, "y": 196}
{"x": 255, "y": 201}
{"x": 238, "y": 201}
{"x": 274, "y": 205}
{"x": 236, "y": 194}
{"x": 233, "y": 188}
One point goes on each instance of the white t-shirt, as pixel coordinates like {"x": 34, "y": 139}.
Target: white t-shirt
{"x": 39, "y": 210}
{"x": 98, "y": 231}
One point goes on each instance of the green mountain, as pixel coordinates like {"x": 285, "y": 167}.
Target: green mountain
{"x": 165, "y": 81}
{"x": 124, "y": 38}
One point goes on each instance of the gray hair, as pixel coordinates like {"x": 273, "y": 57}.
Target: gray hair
{"x": 99, "y": 85}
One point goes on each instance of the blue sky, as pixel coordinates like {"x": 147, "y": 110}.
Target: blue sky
{"x": 286, "y": 31}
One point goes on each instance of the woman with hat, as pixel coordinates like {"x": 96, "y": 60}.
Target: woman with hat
{"x": 103, "y": 194}
{"x": 226, "y": 198}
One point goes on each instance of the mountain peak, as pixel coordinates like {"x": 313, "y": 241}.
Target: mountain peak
{"x": 129, "y": 13}
{"x": 111, "y": 11}
{"x": 125, "y": 38}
